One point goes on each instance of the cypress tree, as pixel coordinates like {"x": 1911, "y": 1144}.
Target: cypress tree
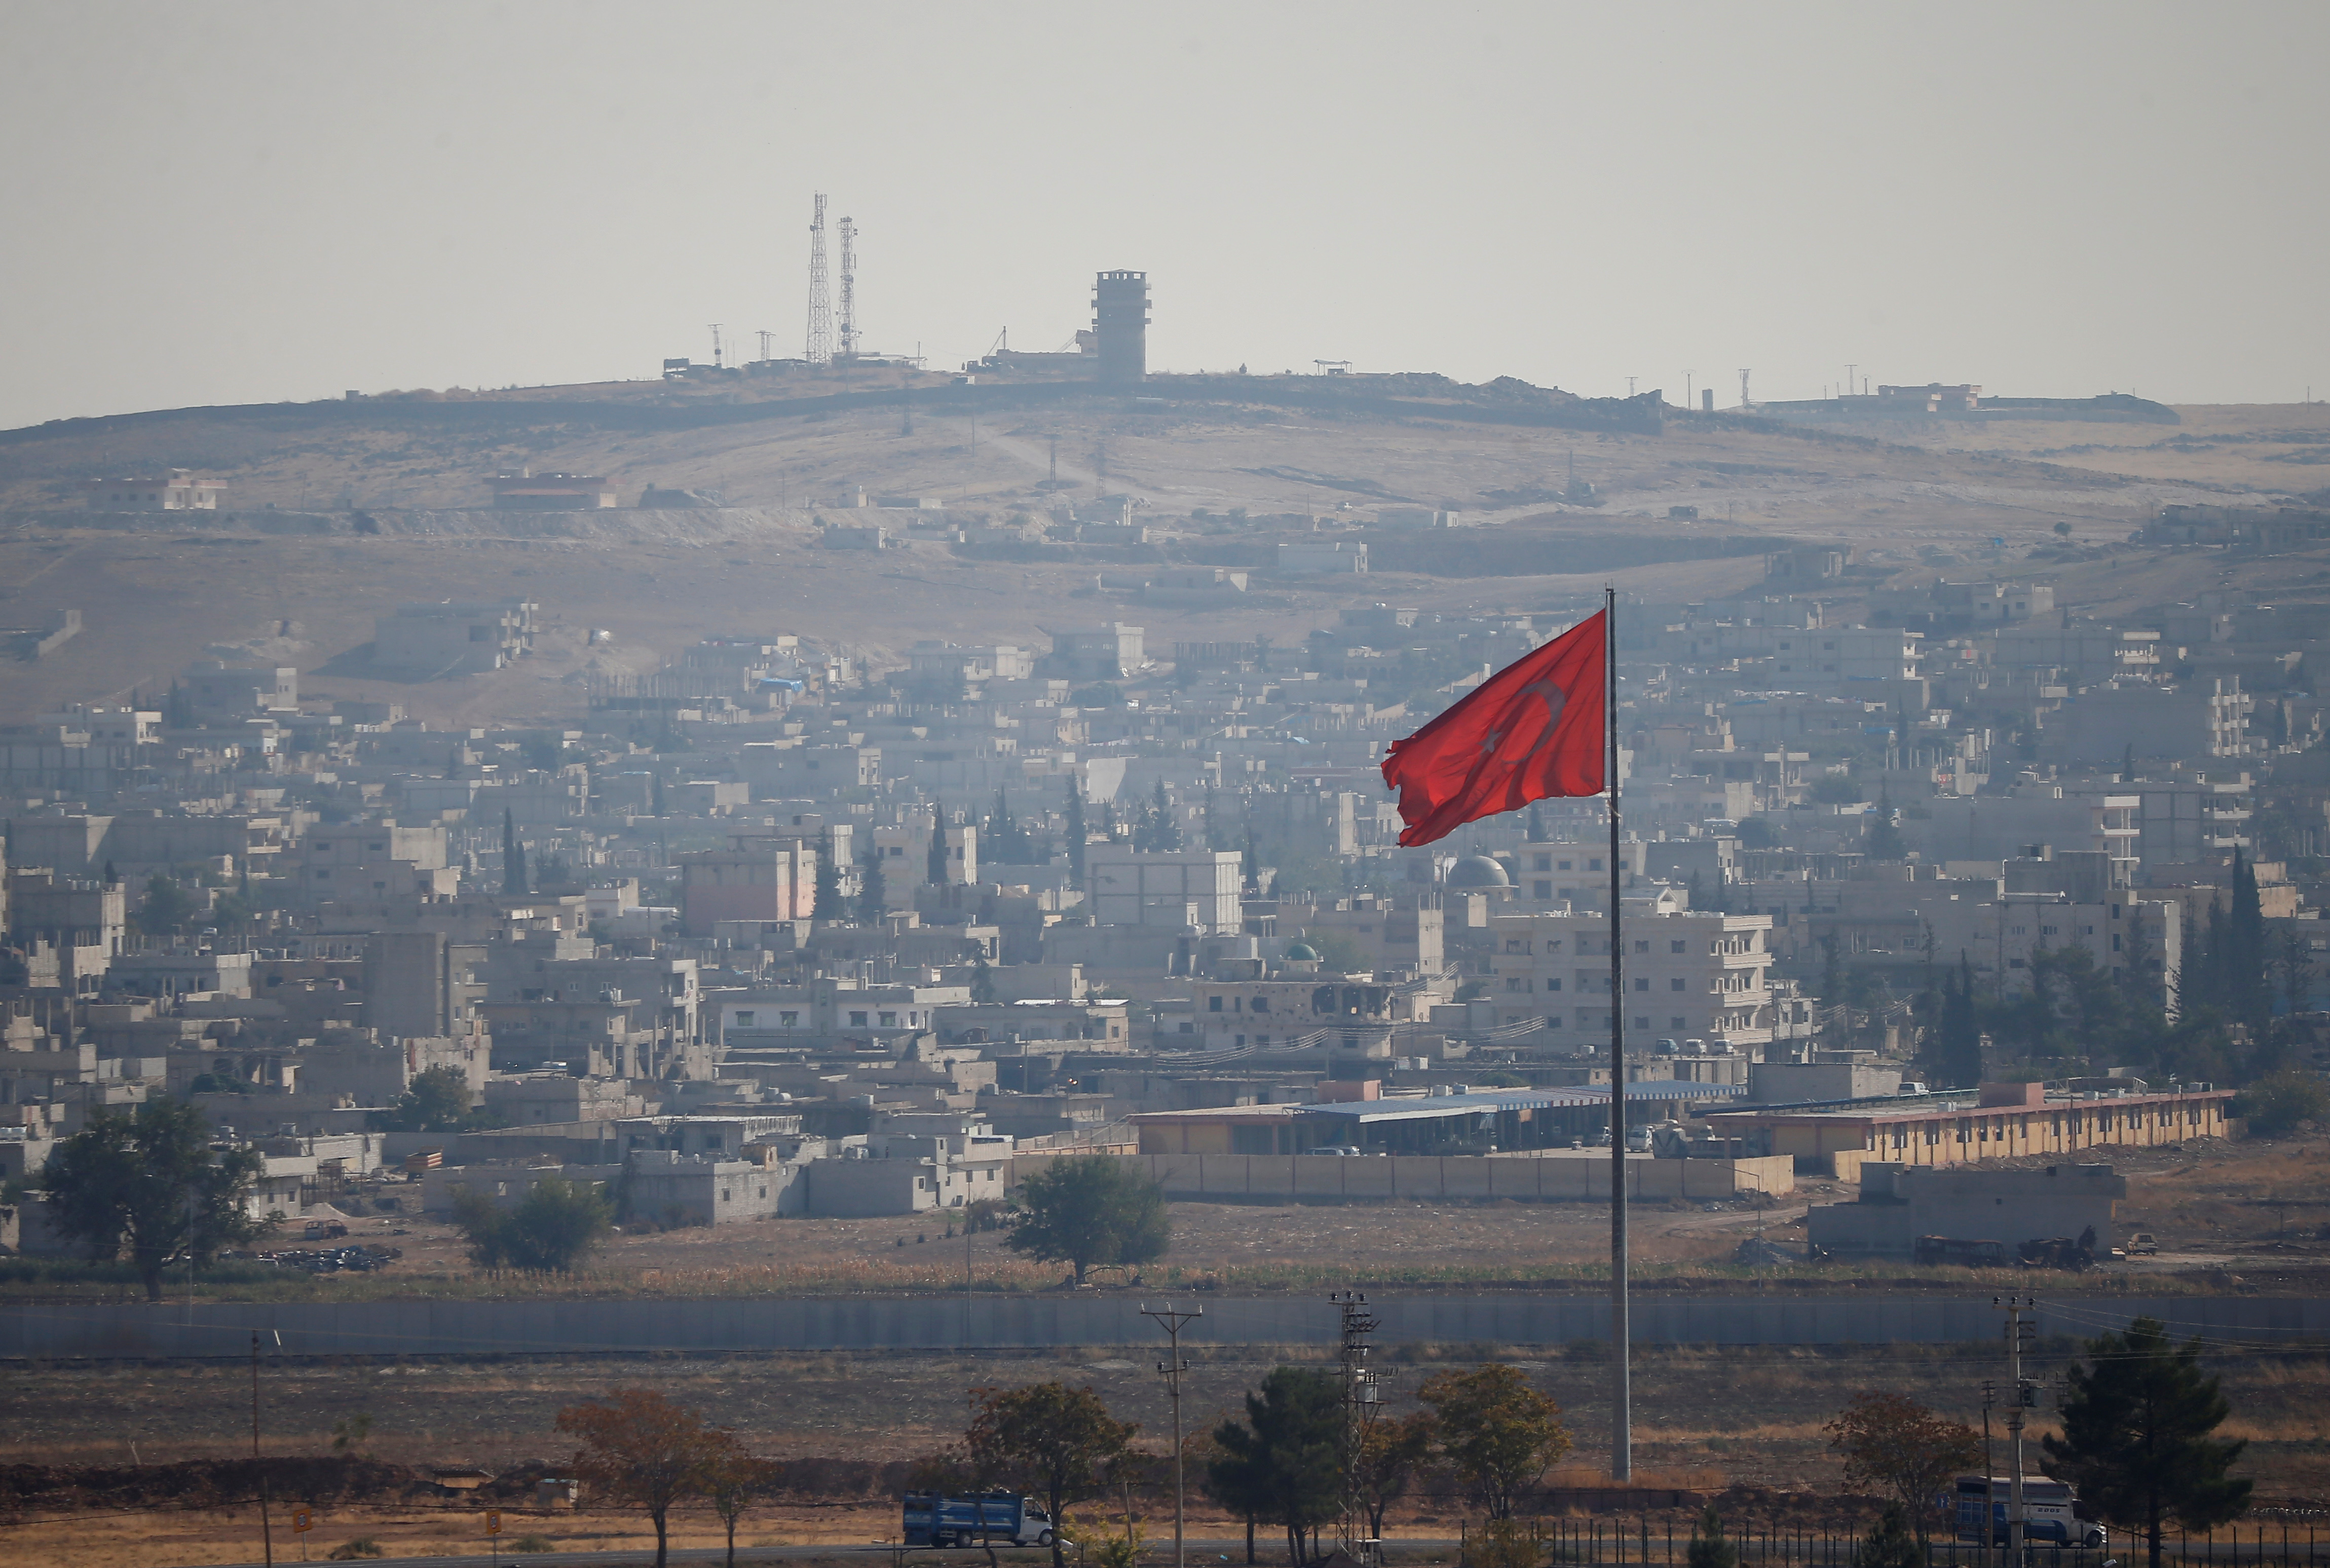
{"x": 1076, "y": 813}
{"x": 2245, "y": 930}
{"x": 872, "y": 894}
{"x": 934, "y": 863}
{"x": 513, "y": 857}
{"x": 829, "y": 905}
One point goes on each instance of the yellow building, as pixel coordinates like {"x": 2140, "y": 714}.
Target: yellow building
{"x": 2001, "y": 1121}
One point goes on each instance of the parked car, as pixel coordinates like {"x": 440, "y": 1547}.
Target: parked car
{"x": 2143, "y": 1245}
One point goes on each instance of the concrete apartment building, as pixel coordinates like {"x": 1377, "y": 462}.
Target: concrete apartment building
{"x": 175, "y": 491}
{"x": 1179, "y": 888}
{"x": 1285, "y": 1009}
{"x": 454, "y": 637}
{"x": 1688, "y": 974}
{"x": 1111, "y": 652}
{"x": 829, "y": 1008}
{"x": 222, "y": 692}
{"x": 526, "y": 490}
{"x": 758, "y": 877}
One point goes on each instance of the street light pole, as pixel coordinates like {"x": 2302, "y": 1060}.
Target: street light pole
{"x": 1170, "y": 1319}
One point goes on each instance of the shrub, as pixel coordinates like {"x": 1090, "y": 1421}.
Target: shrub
{"x": 533, "y": 1543}
{"x": 361, "y": 1546}
{"x": 2278, "y": 1103}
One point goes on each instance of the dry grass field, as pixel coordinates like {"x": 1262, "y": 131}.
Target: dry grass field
{"x": 1703, "y": 1419}
{"x": 158, "y": 596}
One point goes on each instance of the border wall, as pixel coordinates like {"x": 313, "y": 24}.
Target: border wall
{"x": 1558, "y": 1176}
{"x": 998, "y": 1322}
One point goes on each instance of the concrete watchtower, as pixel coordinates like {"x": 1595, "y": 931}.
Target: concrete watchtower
{"x": 1121, "y": 324}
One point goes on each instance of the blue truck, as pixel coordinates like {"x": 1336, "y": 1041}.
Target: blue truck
{"x": 999, "y": 1518}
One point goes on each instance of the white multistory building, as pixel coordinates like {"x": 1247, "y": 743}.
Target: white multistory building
{"x": 1688, "y": 974}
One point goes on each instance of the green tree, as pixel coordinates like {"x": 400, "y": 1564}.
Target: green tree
{"x": 829, "y": 904}
{"x": 1048, "y": 1439}
{"x": 2279, "y": 1102}
{"x": 1953, "y": 1051}
{"x": 639, "y": 1448}
{"x": 349, "y": 1432}
{"x": 1005, "y": 842}
{"x": 1091, "y": 1210}
{"x": 514, "y": 882}
{"x": 934, "y": 859}
{"x": 1390, "y": 1453}
{"x": 1284, "y": 1461}
{"x": 1883, "y": 841}
{"x": 1892, "y": 1444}
{"x": 1499, "y": 1434}
{"x": 166, "y": 907}
{"x": 732, "y": 1480}
{"x": 1892, "y": 1543}
{"x": 150, "y": 1186}
{"x": 2136, "y": 1443}
{"x": 437, "y": 1100}
{"x": 982, "y": 982}
{"x": 873, "y": 893}
{"x": 555, "y": 1226}
{"x": 1076, "y": 830}
{"x": 1710, "y": 1547}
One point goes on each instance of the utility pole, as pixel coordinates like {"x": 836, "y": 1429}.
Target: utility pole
{"x": 1359, "y": 1403}
{"x": 266, "y": 1525}
{"x": 2020, "y": 1330}
{"x": 1989, "y": 1465}
{"x": 1170, "y": 1319}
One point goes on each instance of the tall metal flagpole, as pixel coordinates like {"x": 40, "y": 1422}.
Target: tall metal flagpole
{"x": 1622, "y": 1420}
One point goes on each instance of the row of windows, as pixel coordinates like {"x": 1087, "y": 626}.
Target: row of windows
{"x": 790, "y": 1018}
{"x": 1548, "y": 863}
{"x": 1522, "y": 946}
{"x": 2001, "y": 1130}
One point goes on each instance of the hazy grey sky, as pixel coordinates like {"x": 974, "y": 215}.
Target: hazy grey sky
{"x": 224, "y": 202}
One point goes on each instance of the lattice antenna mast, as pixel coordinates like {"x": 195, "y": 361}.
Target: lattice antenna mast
{"x": 848, "y": 290}
{"x": 820, "y": 312}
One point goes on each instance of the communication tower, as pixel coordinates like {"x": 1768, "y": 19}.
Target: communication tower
{"x": 849, "y": 335}
{"x": 1743, "y": 391}
{"x": 820, "y": 312}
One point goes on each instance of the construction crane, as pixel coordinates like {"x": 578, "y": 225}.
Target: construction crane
{"x": 821, "y": 313}
{"x": 849, "y": 335}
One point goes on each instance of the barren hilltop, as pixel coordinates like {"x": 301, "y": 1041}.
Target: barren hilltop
{"x": 334, "y": 512}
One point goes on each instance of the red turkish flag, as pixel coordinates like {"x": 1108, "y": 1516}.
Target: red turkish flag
{"x": 1535, "y": 729}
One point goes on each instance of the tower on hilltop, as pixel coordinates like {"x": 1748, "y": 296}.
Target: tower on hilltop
{"x": 1121, "y": 326}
